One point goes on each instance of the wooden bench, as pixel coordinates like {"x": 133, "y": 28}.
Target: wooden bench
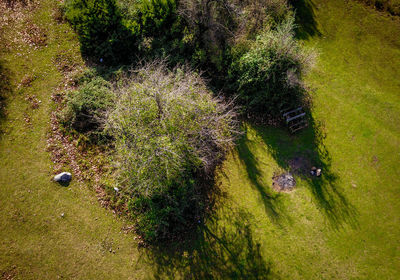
{"x": 295, "y": 119}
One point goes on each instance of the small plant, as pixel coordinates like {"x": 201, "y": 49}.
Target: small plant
{"x": 85, "y": 108}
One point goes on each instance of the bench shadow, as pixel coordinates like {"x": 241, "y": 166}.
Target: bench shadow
{"x": 308, "y": 148}
{"x": 305, "y": 19}
{"x": 222, "y": 248}
{"x": 271, "y": 200}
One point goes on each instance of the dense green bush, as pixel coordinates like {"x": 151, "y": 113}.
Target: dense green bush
{"x": 210, "y": 34}
{"x": 85, "y": 108}
{"x": 169, "y": 133}
{"x": 101, "y": 31}
{"x": 214, "y": 26}
{"x": 267, "y": 75}
{"x": 160, "y": 28}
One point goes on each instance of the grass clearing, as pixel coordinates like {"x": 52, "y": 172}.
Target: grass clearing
{"x": 344, "y": 226}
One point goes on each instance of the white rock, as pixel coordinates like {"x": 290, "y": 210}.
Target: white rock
{"x": 63, "y": 177}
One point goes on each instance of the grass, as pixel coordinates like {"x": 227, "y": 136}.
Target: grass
{"x": 391, "y": 6}
{"x": 342, "y": 226}
{"x": 35, "y": 241}
{"x": 345, "y": 225}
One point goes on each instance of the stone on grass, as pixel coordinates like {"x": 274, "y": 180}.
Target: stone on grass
{"x": 63, "y": 177}
{"x": 284, "y": 182}
{"x": 313, "y": 170}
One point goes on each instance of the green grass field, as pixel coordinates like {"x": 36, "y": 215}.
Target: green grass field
{"x": 343, "y": 226}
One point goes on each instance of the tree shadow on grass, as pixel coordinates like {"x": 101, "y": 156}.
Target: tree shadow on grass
{"x": 222, "y": 248}
{"x": 307, "y": 148}
{"x": 271, "y": 200}
{"x": 5, "y": 90}
{"x": 305, "y": 19}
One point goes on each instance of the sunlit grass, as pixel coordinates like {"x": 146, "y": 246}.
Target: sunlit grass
{"x": 343, "y": 225}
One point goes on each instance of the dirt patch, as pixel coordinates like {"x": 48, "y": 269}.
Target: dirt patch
{"x": 27, "y": 81}
{"x": 283, "y": 182}
{"x": 33, "y": 101}
{"x": 9, "y": 274}
{"x": 375, "y": 161}
{"x": 34, "y": 36}
{"x": 65, "y": 62}
{"x": 300, "y": 165}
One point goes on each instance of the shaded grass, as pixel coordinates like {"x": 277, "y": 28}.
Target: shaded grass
{"x": 308, "y": 146}
{"x": 307, "y": 26}
{"x": 5, "y": 90}
{"x": 270, "y": 200}
{"x": 222, "y": 248}
{"x": 390, "y": 6}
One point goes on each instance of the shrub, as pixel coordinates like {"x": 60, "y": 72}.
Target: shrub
{"x": 216, "y": 25}
{"x": 169, "y": 133}
{"x": 85, "y": 108}
{"x": 102, "y": 34}
{"x": 160, "y": 28}
{"x": 267, "y": 76}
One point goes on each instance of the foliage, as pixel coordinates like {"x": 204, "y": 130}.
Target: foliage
{"x": 159, "y": 27}
{"x": 267, "y": 75}
{"x": 215, "y": 26}
{"x": 85, "y": 108}
{"x": 169, "y": 133}
{"x": 102, "y": 34}
{"x": 211, "y": 35}
{"x": 249, "y": 49}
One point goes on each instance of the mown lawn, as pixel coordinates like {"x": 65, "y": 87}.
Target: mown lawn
{"x": 342, "y": 226}
{"x": 35, "y": 241}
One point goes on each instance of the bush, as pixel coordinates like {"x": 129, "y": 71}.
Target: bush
{"x": 267, "y": 75}
{"x": 102, "y": 34}
{"x": 169, "y": 133}
{"x": 85, "y": 108}
{"x": 160, "y": 28}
